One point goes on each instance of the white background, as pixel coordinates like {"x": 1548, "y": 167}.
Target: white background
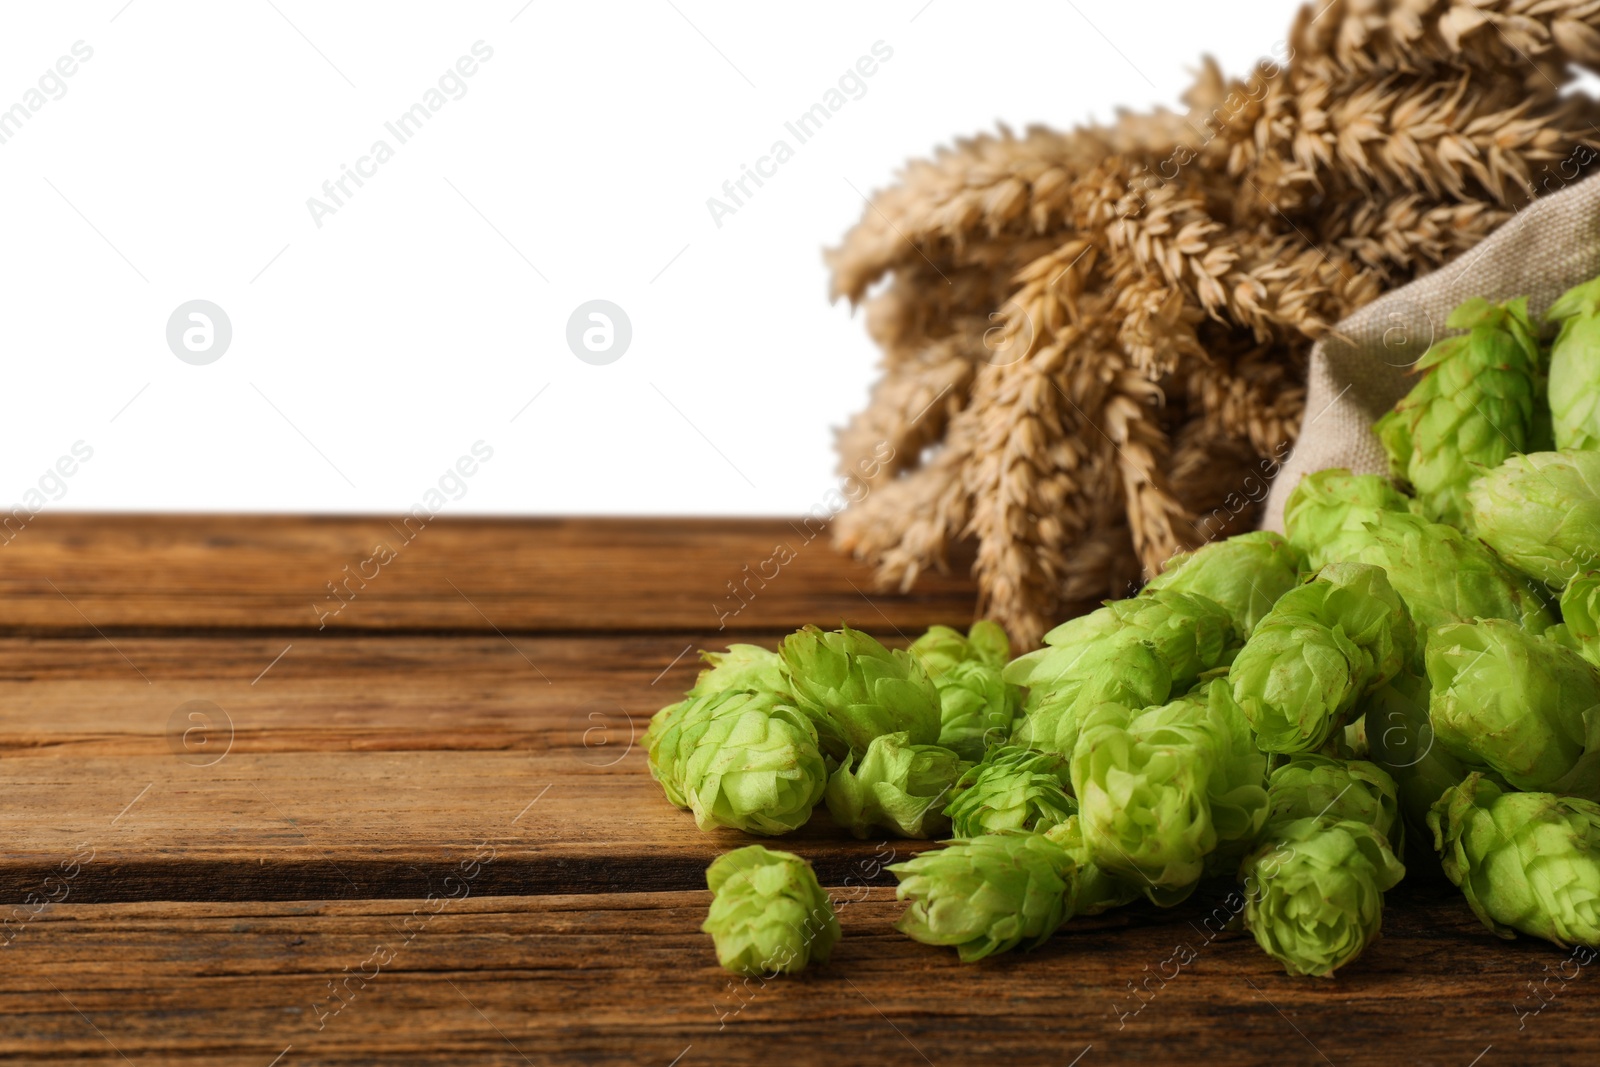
{"x": 374, "y": 351}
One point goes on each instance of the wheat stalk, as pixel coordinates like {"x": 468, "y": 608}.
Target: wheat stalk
{"x": 1095, "y": 341}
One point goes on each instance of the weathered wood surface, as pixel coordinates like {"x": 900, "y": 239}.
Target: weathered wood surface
{"x": 627, "y": 978}
{"x": 183, "y": 890}
{"x": 355, "y": 766}
{"x": 79, "y": 573}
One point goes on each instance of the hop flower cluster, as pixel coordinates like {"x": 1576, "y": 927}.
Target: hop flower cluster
{"x": 1158, "y": 284}
{"x": 1492, "y": 730}
{"x": 1413, "y": 665}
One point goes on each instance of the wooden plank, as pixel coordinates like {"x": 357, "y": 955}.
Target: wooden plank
{"x": 348, "y": 766}
{"x": 184, "y": 890}
{"x": 64, "y": 697}
{"x": 326, "y": 825}
{"x": 628, "y": 978}
{"x": 77, "y": 573}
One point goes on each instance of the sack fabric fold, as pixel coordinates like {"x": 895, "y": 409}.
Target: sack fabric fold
{"x": 1359, "y": 371}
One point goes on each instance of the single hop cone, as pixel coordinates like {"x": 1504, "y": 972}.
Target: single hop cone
{"x": 1527, "y": 862}
{"x": 1321, "y": 647}
{"x": 987, "y": 895}
{"x": 1541, "y": 513}
{"x": 1475, "y": 406}
{"x": 1314, "y": 884}
{"x": 1333, "y": 502}
{"x": 898, "y": 786}
{"x": 1297, "y": 682}
{"x": 1523, "y": 705}
{"x": 739, "y": 759}
{"x": 1160, "y": 791}
{"x": 1314, "y": 892}
{"x": 768, "y": 913}
{"x": 1245, "y": 574}
{"x": 942, "y": 647}
{"x": 1012, "y": 789}
{"x": 1311, "y": 785}
{"x": 976, "y": 705}
{"x": 1574, "y": 385}
{"x": 742, "y": 667}
{"x": 1443, "y": 575}
{"x": 854, "y": 689}
{"x": 1138, "y": 652}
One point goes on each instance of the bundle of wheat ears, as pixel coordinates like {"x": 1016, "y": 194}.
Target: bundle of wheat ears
{"x": 1095, "y": 342}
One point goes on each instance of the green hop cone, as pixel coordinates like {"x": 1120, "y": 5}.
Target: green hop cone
{"x": 1333, "y": 502}
{"x": 854, "y": 689}
{"x": 1313, "y": 786}
{"x": 1527, "y": 862}
{"x": 1522, "y": 705}
{"x": 1122, "y": 668}
{"x": 1299, "y": 682}
{"x": 1475, "y": 405}
{"x": 1137, "y": 652}
{"x": 1236, "y": 784}
{"x": 1442, "y": 575}
{"x": 897, "y": 785}
{"x": 1541, "y": 513}
{"x": 1096, "y": 889}
{"x": 1142, "y": 797}
{"x": 741, "y": 760}
{"x": 942, "y": 648}
{"x": 1403, "y": 743}
{"x": 1012, "y": 789}
{"x": 1574, "y": 385}
{"x": 667, "y": 774}
{"x": 768, "y": 913}
{"x": 1314, "y": 892}
{"x": 1245, "y": 574}
{"x": 743, "y": 667}
{"x": 1580, "y": 614}
{"x": 1191, "y": 633}
{"x": 977, "y": 708}
{"x": 1358, "y": 599}
{"x": 1352, "y": 743}
{"x": 1160, "y": 790}
{"x": 976, "y": 705}
{"x": 1321, "y": 647}
{"x": 987, "y": 895}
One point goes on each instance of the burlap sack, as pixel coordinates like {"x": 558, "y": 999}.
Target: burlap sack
{"x": 1359, "y": 372}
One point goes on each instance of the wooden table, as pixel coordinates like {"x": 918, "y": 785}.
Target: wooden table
{"x": 242, "y": 828}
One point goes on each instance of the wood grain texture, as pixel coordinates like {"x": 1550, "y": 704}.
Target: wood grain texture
{"x": 627, "y": 978}
{"x": 447, "y": 780}
{"x": 75, "y": 573}
{"x": 356, "y": 766}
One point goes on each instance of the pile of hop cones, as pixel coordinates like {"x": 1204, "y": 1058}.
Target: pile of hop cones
{"x": 1095, "y": 342}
